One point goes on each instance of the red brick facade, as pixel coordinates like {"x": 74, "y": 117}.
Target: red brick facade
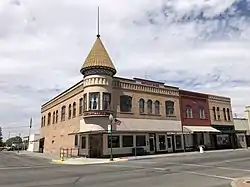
{"x": 198, "y": 103}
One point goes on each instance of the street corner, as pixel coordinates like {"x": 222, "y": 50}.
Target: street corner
{"x": 241, "y": 182}
{"x": 86, "y": 162}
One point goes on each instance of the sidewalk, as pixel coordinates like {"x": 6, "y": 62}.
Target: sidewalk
{"x": 40, "y": 155}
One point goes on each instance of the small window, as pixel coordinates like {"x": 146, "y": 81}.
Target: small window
{"x": 202, "y": 113}
{"x": 224, "y": 114}
{"x": 228, "y": 114}
{"x": 83, "y": 146}
{"x": 218, "y": 113}
{"x": 63, "y": 109}
{"x": 189, "y": 112}
{"x": 94, "y": 103}
{"x": 169, "y": 108}
{"x": 141, "y": 106}
{"x": 49, "y": 118}
{"x": 56, "y": 116}
{"x": 214, "y": 113}
{"x": 76, "y": 140}
{"x": 149, "y": 104}
{"x": 80, "y": 106}
{"x": 157, "y": 107}
{"x": 115, "y": 141}
{"x": 106, "y": 101}
{"x": 70, "y": 109}
{"x": 127, "y": 141}
{"x": 74, "y": 109}
{"x": 140, "y": 140}
{"x": 125, "y": 103}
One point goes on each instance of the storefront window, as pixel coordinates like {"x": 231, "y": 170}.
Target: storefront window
{"x": 127, "y": 141}
{"x": 141, "y": 140}
{"x": 223, "y": 139}
{"x": 115, "y": 141}
{"x": 162, "y": 142}
{"x": 178, "y": 142}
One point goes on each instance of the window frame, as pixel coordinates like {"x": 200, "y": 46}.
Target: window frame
{"x": 57, "y": 115}
{"x": 97, "y": 101}
{"x": 69, "y": 111}
{"x": 225, "y": 114}
{"x": 54, "y": 117}
{"x": 218, "y": 113}
{"x": 63, "y": 113}
{"x": 214, "y": 113}
{"x": 127, "y": 144}
{"x": 150, "y": 106}
{"x": 189, "y": 112}
{"x": 108, "y": 102}
{"x": 202, "y": 113}
{"x": 80, "y": 106}
{"x": 114, "y": 143}
{"x": 83, "y": 146}
{"x": 157, "y": 107}
{"x": 137, "y": 142}
{"x": 49, "y": 118}
{"x": 169, "y": 106}
{"x": 126, "y": 102}
{"x": 74, "y": 110}
{"x": 141, "y": 106}
{"x": 228, "y": 114}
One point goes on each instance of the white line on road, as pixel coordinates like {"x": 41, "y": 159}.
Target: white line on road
{"x": 24, "y": 167}
{"x": 208, "y": 175}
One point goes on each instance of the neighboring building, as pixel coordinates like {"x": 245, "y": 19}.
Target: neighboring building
{"x": 222, "y": 120}
{"x": 195, "y": 117}
{"x": 146, "y": 113}
{"x": 241, "y": 126}
{"x": 34, "y": 140}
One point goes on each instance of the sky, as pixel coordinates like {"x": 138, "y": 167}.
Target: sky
{"x": 199, "y": 45}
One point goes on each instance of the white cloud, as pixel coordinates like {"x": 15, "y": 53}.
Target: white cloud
{"x": 43, "y": 44}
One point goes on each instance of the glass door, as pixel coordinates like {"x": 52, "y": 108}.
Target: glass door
{"x": 170, "y": 144}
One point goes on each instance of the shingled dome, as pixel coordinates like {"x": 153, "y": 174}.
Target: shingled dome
{"x": 98, "y": 58}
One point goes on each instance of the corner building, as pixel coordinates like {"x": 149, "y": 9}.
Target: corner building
{"x": 146, "y": 113}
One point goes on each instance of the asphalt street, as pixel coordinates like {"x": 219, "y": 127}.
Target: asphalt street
{"x": 214, "y": 169}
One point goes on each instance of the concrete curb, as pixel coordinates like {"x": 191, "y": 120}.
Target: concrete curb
{"x": 240, "y": 182}
{"x": 86, "y": 163}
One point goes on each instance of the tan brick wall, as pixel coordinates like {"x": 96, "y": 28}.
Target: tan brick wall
{"x": 221, "y": 103}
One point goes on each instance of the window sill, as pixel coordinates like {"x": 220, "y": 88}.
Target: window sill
{"x": 171, "y": 116}
{"x": 145, "y": 114}
{"x": 127, "y": 113}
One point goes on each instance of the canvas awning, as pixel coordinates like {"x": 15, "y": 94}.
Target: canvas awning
{"x": 200, "y": 129}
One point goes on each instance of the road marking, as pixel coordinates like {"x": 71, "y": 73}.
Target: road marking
{"x": 162, "y": 169}
{"x": 208, "y": 175}
{"x": 24, "y": 167}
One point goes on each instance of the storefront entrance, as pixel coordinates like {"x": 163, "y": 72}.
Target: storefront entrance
{"x": 152, "y": 143}
{"x": 169, "y": 144}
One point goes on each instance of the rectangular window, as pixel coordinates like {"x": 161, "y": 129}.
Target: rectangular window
{"x": 127, "y": 141}
{"x": 214, "y": 113}
{"x": 228, "y": 114}
{"x": 141, "y": 140}
{"x": 83, "y": 142}
{"x": 94, "y": 99}
{"x": 125, "y": 103}
{"x": 106, "y": 101}
{"x": 84, "y": 102}
{"x": 178, "y": 142}
{"x": 218, "y": 113}
{"x": 76, "y": 140}
{"x": 80, "y": 106}
{"x": 224, "y": 114}
{"x": 162, "y": 142}
{"x": 115, "y": 141}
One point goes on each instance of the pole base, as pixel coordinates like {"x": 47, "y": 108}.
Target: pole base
{"x": 111, "y": 159}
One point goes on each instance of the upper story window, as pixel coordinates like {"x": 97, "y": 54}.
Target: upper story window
{"x": 94, "y": 98}
{"x": 49, "y": 118}
{"x": 74, "y": 109}
{"x": 228, "y": 114}
{"x": 149, "y": 106}
{"x": 224, "y": 114}
{"x": 202, "y": 113}
{"x": 125, "y": 103}
{"x": 63, "y": 113}
{"x": 44, "y": 120}
{"x": 56, "y": 116}
{"x": 141, "y": 106}
{"x": 41, "y": 121}
{"x": 106, "y": 101}
{"x": 80, "y": 106}
{"x": 69, "y": 113}
{"x": 157, "y": 107}
{"x": 218, "y": 113}
{"x": 169, "y": 105}
{"x": 214, "y": 113}
{"x": 84, "y": 102}
{"x": 189, "y": 112}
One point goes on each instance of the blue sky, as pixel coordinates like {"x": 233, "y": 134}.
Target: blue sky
{"x": 199, "y": 45}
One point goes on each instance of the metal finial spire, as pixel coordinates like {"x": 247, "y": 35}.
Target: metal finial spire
{"x": 98, "y": 24}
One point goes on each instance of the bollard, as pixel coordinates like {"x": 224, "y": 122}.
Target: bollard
{"x": 201, "y": 149}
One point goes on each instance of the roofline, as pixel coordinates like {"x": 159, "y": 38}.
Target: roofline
{"x": 196, "y": 94}
{"x": 62, "y": 93}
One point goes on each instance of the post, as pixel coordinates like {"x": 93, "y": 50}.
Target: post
{"x": 111, "y": 118}
{"x": 183, "y": 140}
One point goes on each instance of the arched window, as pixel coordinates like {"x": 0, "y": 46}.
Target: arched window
{"x": 224, "y": 114}
{"x": 54, "y": 117}
{"x": 157, "y": 107}
{"x": 149, "y": 106}
{"x": 218, "y": 113}
{"x": 63, "y": 111}
{"x": 74, "y": 109}
{"x": 125, "y": 103}
{"x": 214, "y": 113}
{"x": 69, "y": 114}
{"x": 202, "y": 113}
{"x": 80, "y": 106}
{"x": 44, "y": 120}
{"x": 228, "y": 114}
{"x": 169, "y": 105}
{"x": 49, "y": 118}
{"x": 189, "y": 112}
{"x": 141, "y": 106}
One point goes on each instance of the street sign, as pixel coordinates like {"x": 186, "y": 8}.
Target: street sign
{"x": 109, "y": 128}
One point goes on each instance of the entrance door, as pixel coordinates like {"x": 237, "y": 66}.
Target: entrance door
{"x": 95, "y": 145}
{"x": 169, "y": 144}
{"x": 151, "y": 144}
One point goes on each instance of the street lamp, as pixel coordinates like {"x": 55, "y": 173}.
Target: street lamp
{"x": 111, "y": 118}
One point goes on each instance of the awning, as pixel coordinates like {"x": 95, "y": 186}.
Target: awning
{"x": 200, "y": 129}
